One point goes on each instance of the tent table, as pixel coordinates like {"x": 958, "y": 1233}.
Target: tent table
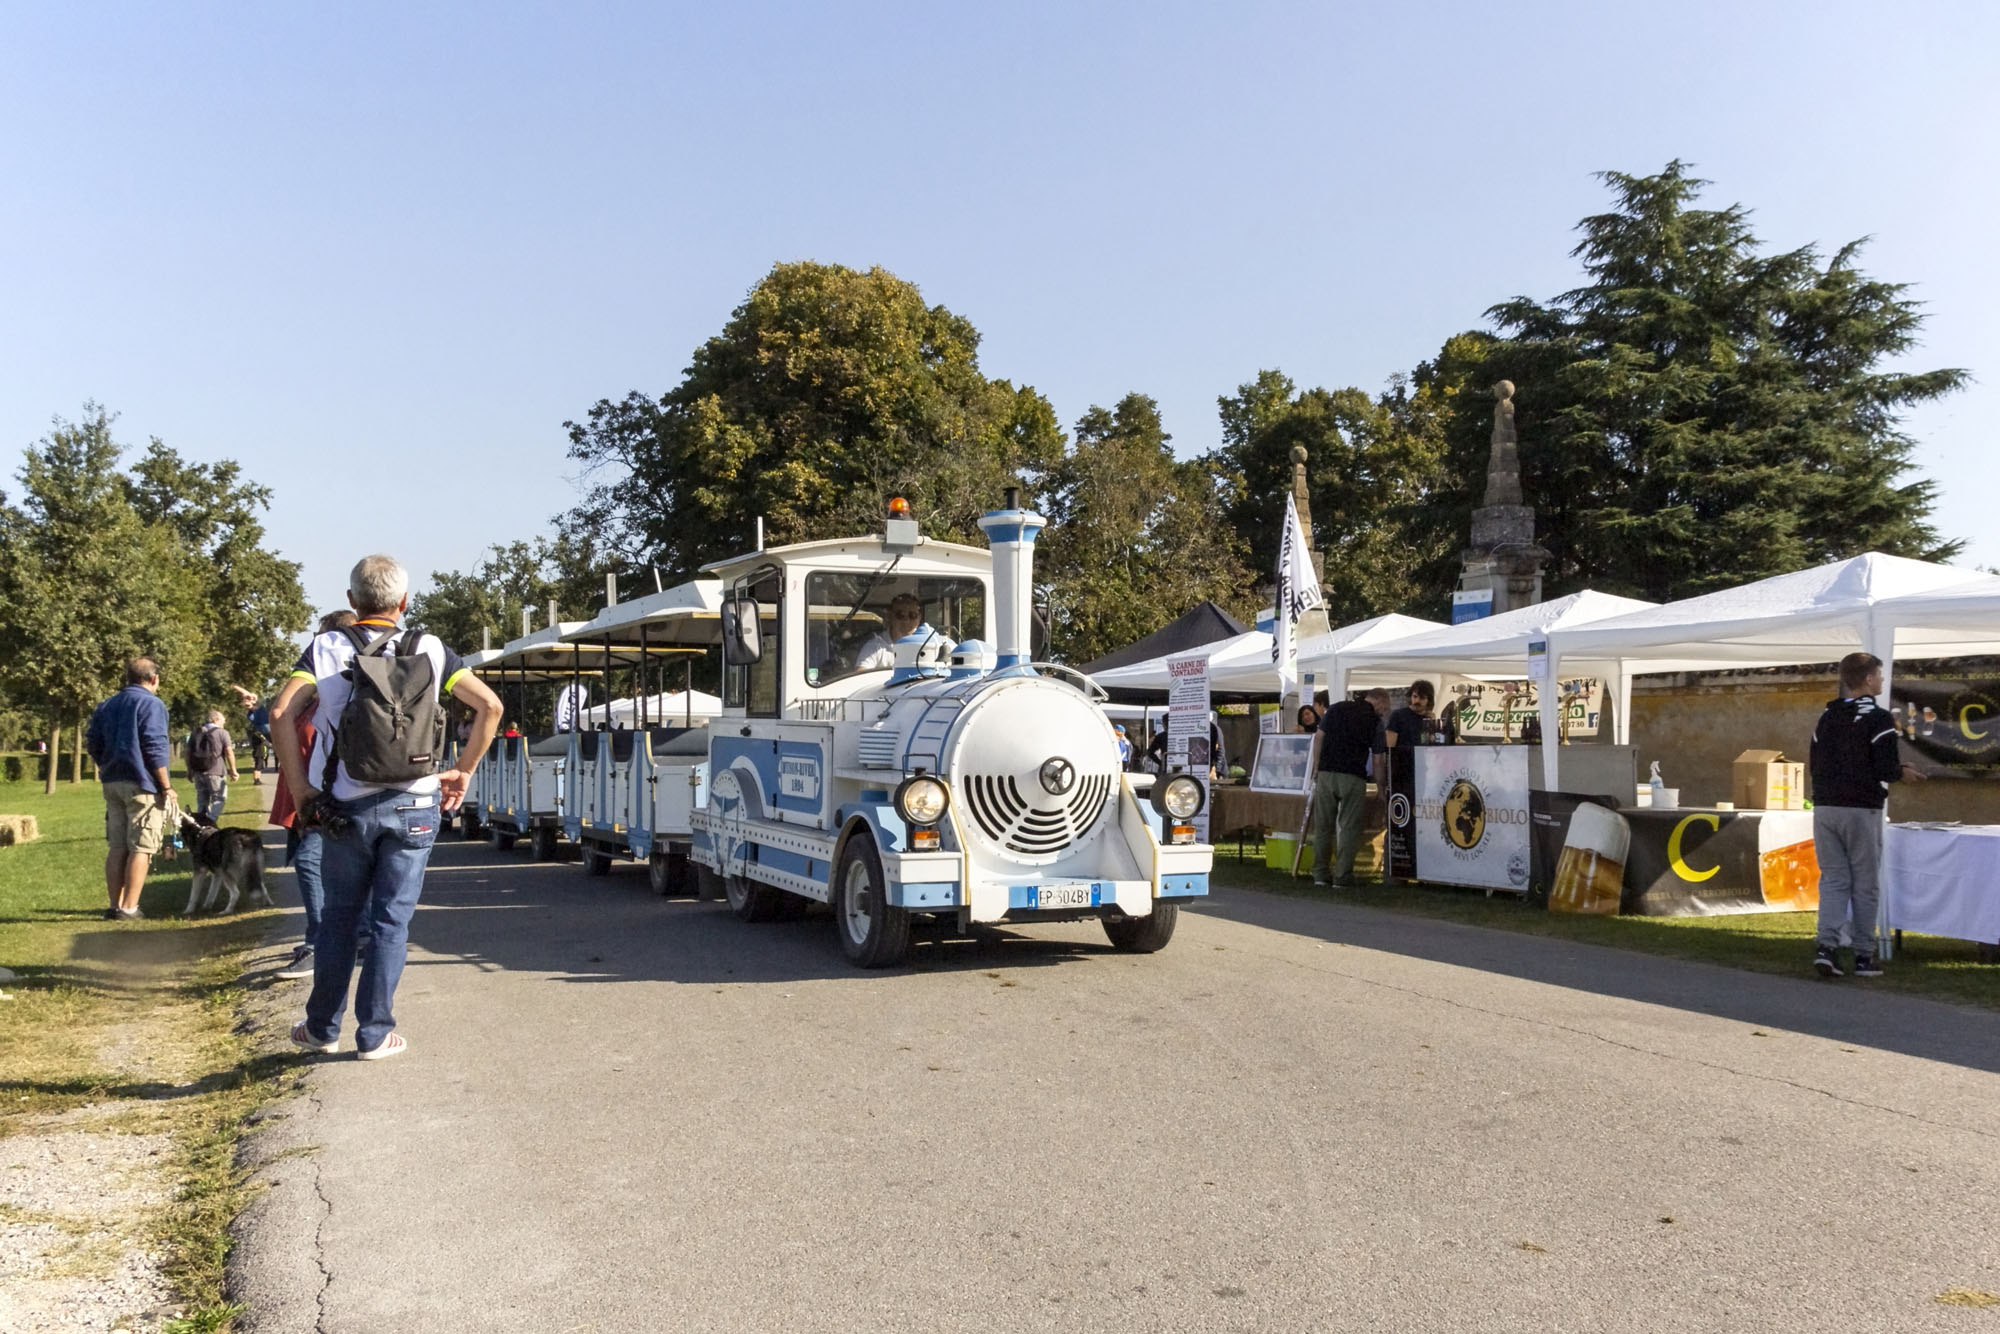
{"x": 1702, "y": 862}
{"x": 1237, "y": 810}
{"x": 1943, "y": 880}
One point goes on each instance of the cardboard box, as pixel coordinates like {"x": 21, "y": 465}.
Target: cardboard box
{"x": 1763, "y": 780}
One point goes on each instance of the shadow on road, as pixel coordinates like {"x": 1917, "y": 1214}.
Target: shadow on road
{"x": 1843, "y": 1012}
{"x": 499, "y": 910}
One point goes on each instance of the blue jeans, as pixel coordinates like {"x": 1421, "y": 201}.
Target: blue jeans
{"x": 210, "y": 791}
{"x": 305, "y": 865}
{"x": 372, "y": 874}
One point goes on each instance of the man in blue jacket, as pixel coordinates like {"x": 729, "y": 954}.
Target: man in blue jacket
{"x": 128, "y": 743}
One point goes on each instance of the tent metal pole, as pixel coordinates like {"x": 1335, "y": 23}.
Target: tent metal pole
{"x": 1548, "y": 705}
{"x": 1882, "y": 643}
{"x": 1622, "y": 707}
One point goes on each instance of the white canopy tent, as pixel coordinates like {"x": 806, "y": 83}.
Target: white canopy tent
{"x": 1875, "y": 602}
{"x": 1812, "y": 615}
{"x": 1243, "y": 665}
{"x": 1498, "y": 646}
{"x": 1239, "y": 665}
{"x": 1325, "y": 654}
{"x": 1960, "y": 620}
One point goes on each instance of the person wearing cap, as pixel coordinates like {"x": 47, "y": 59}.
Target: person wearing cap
{"x": 1124, "y": 746}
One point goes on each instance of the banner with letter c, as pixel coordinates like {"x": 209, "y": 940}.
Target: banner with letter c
{"x": 1696, "y": 863}
{"x": 1950, "y": 724}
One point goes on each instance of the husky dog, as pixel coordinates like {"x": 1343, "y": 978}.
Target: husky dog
{"x": 228, "y": 863}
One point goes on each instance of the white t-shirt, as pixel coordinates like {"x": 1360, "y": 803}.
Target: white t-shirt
{"x": 878, "y": 651}
{"x": 323, "y": 663}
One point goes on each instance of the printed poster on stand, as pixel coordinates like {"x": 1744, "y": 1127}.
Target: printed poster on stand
{"x": 1187, "y": 724}
{"x": 1470, "y": 817}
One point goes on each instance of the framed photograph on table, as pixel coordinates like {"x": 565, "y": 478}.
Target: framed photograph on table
{"x": 1284, "y": 763}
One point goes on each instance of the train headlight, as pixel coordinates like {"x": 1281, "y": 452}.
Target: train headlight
{"x": 921, "y": 800}
{"x": 1182, "y": 796}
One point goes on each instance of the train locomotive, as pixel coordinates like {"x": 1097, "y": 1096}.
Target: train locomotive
{"x": 879, "y": 753}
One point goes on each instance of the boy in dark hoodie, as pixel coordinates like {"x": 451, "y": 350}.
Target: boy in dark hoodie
{"x": 1854, "y": 759}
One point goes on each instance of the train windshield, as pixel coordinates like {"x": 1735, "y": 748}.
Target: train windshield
{"x": 854, "y": 620}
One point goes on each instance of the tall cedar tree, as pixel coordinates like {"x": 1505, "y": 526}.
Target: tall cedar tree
{"x": 829, "y": 391}
{"x": 1699, "y": 414}
{"x": 1135, "y": 537}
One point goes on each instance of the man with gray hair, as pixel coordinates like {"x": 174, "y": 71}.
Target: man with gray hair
{"x": 376, "y": 829}
{"x": 211, "y": 762}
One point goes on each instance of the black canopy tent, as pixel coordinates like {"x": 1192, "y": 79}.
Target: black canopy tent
{"x": 1205, "y": 623}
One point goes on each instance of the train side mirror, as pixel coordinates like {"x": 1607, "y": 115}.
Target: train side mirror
{"x": 742, "y": 640}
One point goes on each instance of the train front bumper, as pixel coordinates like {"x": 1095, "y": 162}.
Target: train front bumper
{"x": 1056, "y": 897}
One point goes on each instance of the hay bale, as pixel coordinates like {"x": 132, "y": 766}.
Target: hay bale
{"x": 18, "y": 829}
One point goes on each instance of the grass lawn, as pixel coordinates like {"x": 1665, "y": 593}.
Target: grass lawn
{"x": 1930, "y": 966}
{"x": 128, "y": 1026}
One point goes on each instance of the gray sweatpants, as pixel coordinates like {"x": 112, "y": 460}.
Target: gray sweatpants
{"x": 1848, "y": 842}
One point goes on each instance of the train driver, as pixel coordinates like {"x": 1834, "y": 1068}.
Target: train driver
{"x": 878, "y": 651}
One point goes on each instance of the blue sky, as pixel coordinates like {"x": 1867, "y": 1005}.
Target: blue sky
{"x": 380, "y": 253}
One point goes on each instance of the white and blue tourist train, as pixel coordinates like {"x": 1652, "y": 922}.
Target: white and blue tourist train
{"x": 893, "y": 771}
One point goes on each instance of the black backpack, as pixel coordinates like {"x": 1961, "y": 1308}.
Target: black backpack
{"x": 392, "y": 730}
{"x": 205, "y": 746}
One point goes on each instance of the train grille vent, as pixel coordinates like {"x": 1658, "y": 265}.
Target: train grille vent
{"x": 877, "y": 749}
{"x": 1006, "y": 818}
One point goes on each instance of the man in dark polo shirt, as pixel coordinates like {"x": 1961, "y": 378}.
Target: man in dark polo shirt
{"x": 1350, "y": 735}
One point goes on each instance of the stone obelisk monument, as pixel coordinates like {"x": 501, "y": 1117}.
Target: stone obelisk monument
{"x": 1503, "y": 558}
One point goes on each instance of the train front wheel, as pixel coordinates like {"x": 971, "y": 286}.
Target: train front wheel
{"x": 1144, "y": 935}
{"x": 872, "y": 933}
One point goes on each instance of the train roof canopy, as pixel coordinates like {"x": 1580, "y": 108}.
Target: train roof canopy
{"x": 866, "y": 554}
{"x": 685, "y": 614}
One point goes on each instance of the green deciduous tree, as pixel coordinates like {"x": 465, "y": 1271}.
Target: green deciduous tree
{"x": 1700, "y": 413}
{"x": 1372, "y": 465}
{"x": 98, "y": 566}
{"x": 250, "y": 601}
{"x": 829, "y": 391}
{"x": 84, "y": 582}
{"x": 1135, "y": 537}
{"x": 464, "y": 608}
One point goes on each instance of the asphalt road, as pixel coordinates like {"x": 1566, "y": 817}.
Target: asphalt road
{"x": 625, "y": 1113}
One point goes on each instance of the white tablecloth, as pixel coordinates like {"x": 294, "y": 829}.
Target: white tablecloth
{"x": 1943, "y": 881}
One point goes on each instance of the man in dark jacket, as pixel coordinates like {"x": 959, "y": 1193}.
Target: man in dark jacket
{"x": 127, "y": 741}
{"x": 1350, "y": 736}
{"x": 1854, "y": 759}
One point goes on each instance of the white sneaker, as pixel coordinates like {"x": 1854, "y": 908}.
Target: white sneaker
{"x": 393, "y": 1045}
{"x": 303, "y": 1039}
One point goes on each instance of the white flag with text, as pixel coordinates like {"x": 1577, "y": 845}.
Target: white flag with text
{"x": 1297, "y": 593}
